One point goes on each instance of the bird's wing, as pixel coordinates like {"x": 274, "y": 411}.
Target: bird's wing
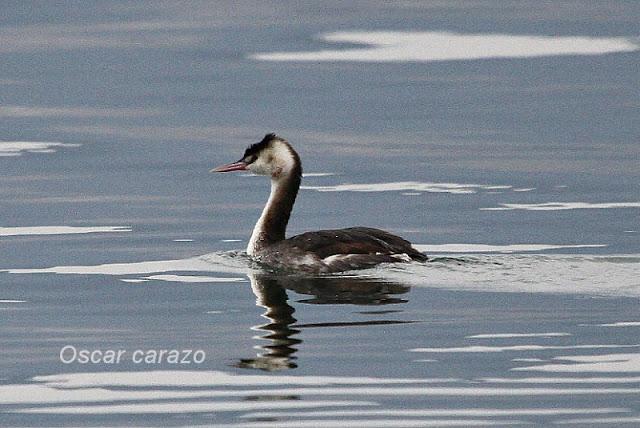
{"x": 352, "y": 241}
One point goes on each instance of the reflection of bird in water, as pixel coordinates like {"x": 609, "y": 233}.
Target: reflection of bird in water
{"x": 270, "y": 291}
{"x": 279, "y": 354}
{"x": 321, "y": 251}
{"x": 345, "y": 289}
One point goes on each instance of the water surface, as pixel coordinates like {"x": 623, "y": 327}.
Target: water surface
{"x": 515, "y": 168}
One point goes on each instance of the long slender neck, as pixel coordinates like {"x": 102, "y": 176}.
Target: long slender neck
{"x": 272, "y": 224}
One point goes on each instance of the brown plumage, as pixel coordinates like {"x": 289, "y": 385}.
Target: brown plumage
{"x": 353, "y": 240}
{"x": 320, "y": 251}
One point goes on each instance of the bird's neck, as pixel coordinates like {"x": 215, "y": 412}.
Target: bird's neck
{"x": 272, "y": 224}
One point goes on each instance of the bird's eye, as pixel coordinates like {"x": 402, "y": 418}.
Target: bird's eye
{"x": 250, "y": 159}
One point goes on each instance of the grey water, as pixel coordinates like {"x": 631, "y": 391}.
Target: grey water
{"x": 516, "y": 173}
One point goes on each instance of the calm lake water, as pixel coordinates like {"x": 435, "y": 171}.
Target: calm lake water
{"x": 499, "y": 137}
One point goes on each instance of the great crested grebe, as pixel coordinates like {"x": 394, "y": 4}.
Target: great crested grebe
{"x": 323, "y": 251}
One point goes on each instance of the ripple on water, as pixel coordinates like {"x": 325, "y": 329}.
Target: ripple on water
{"x": 336, "y": 400}
{"x": 567, "y": 274}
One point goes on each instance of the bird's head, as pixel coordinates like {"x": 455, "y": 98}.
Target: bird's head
{"x": 273, "y": 156}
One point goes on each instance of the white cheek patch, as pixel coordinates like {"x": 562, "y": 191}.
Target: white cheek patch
{"x": 274, "y": 161}
{"x": 259, "y": 166}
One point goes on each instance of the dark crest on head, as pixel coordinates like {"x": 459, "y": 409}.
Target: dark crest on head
{"x": 253, "y": 150}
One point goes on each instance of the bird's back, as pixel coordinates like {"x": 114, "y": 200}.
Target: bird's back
{"x": 341, "y": 249}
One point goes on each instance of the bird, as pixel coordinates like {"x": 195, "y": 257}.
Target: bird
{"x": 319, "y": 252}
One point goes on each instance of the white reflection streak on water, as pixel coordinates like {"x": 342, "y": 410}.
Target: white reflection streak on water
{"x": 455, "y": 188}
{"x": 397, "y": 46}
{"x": 561, "y": 206}
{"x": 16, "y": 148}
{"x": 622, "y": 324}
{"x": 190, "y": 407}
{"x": 484, "y": 349}
{"x": 108, "y": 391}
{"x": 436, "y": 412}
{"x": 484, "y": 248}
{"x": 516, "y": 335}
{"x": 375, "y": 423}
{"x": 60, "y": 230}
{"x": 621, "y": 363}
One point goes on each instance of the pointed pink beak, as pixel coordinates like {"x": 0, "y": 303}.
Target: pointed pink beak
{"x": 235, "y": 166}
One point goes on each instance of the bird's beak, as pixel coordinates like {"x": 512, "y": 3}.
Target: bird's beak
{"x": 235, "y": 166}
